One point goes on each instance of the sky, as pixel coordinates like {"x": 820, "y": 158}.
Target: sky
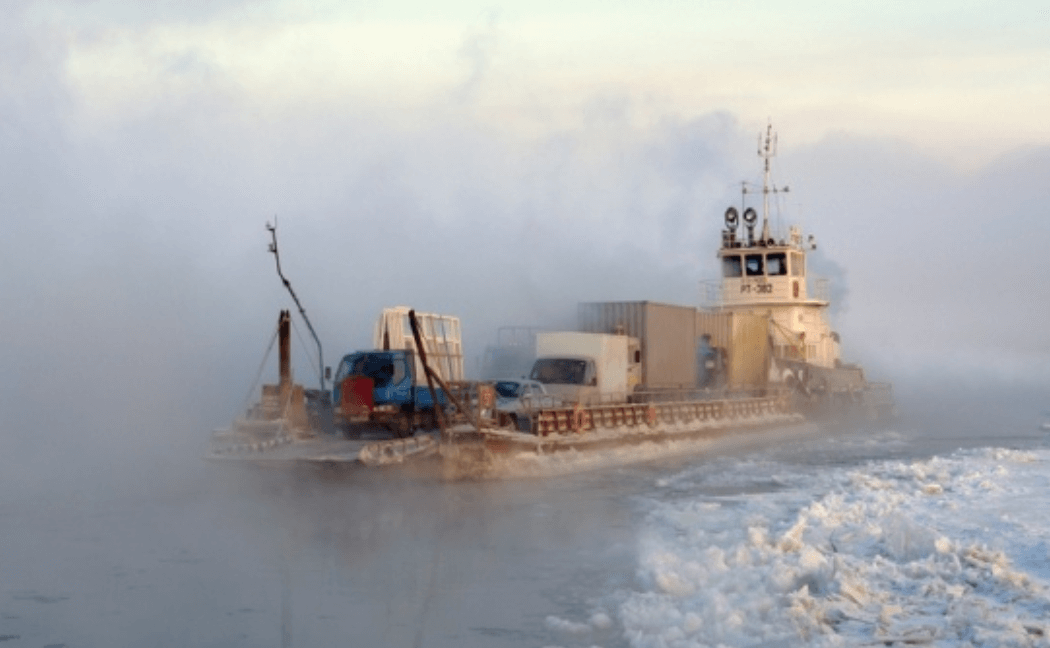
{"x": 499, "y": 162}
{"x": 958, "y": 79}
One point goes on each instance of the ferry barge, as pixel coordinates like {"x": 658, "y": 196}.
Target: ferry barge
{"x": 757, "y": 354}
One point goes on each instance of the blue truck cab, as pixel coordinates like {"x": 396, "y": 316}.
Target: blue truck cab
{"x": 396, "y": 385}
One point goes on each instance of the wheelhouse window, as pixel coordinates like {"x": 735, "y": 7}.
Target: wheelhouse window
{"x": 776, "y": 264}
{"x": 731, "y": 266}
{"x": 753, "y": 265}
{"x": 798, "y": 264}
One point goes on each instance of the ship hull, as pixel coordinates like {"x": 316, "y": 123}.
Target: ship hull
{"x": 566, "y": 440}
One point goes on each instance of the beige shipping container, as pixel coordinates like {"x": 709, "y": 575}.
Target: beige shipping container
{"x": 666, "y": 333}
{"x": 745, "y": 338}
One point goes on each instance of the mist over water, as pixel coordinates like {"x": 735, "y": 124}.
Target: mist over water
{"x": 243, "y": 558}
{"x": 139, "y": 299}
{"x": 155, "y": 546}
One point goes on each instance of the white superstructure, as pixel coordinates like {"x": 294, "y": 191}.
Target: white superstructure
{"x": 765, "y": 273}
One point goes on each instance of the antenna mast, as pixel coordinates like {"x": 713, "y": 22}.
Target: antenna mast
{"x": 766, "y": 151}
{"x": 288, "y": 285}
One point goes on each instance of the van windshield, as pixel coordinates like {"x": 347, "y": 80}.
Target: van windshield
{"x": 559, "y": 371}
{"x": 508, "y": 389}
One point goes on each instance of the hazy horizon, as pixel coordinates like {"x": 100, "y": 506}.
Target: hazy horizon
{"x": 499, "y": 164}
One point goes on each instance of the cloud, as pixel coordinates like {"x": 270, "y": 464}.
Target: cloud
{"x": 942, "y": 263}
{"x": 477, "y": 51}
{"x": 137, "y": 244}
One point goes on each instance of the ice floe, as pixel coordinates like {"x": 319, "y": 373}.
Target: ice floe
{"x": 948, "y": 551}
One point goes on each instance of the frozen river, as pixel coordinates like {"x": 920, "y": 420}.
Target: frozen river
{"x": 933, "y": 531}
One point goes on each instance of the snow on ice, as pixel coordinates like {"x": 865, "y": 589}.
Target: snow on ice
{"x": 949, "y": 551}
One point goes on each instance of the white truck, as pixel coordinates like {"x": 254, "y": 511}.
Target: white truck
{"x": 587, "y": 368}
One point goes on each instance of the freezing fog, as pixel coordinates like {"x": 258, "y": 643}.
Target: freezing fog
{"x": 931, "y": 532}
{"x": 137, "y": 173}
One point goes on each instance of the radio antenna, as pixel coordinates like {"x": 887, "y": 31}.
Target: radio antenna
{"x": 767, "y": 150}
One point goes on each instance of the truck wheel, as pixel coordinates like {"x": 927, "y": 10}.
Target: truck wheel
{"x": 403, "y": 425}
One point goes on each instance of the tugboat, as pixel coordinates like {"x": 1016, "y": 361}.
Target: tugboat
{"x": 765, "y": 274}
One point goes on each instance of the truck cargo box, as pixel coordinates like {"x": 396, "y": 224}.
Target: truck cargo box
{"x": 440, "y": 335}
{"x": 667, "y": 335}
{"x": 585, "y": 367}
{"x": 745, "y": 338}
